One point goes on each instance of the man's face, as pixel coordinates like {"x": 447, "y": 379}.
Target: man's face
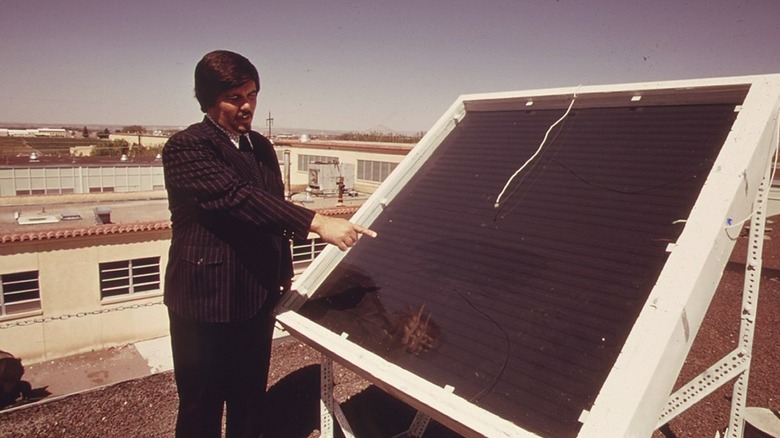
{"x": 235, "y": 107}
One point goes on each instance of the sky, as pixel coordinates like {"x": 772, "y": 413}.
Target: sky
{"x": 357, "y": 65}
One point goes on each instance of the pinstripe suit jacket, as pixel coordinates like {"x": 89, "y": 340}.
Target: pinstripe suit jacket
{"x": 231, "y": 226}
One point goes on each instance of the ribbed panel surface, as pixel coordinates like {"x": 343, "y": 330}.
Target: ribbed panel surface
{"x": 524, "y": 308}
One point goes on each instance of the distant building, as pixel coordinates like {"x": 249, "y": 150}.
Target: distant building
{"x": 22, "y": 132}
{"x": 52, "y": 132}
{"x": 370, "y": 162}
{"x": 147, "y": 141}
{"x": 81, "y": 151}
{"x": 50, "y": 176}
{"x": 367, "y": 164}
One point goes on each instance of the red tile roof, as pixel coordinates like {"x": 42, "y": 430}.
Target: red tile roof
{"x": 134, "y": 227}
{"x": 92, "y": 230}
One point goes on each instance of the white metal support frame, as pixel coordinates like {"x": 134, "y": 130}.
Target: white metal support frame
{"x": 329, "y": 408}
{"x": 736, "y": 364}
{"x": 417, "y": 429}
{"x": 750, "y": 304}
{"x": 326, "y": 397}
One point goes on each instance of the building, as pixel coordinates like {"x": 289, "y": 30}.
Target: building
{"x": 39, "y": 174}
{"x": 145, "y": 140}
{"x": 52, "y": 132}
{"x": 71, "y": 285}
{"x": 372, "y": 162}
{"x": 83, "y": 246}
{"x": 34, "y": 132}
{"x": 22, "y": 132}
{"x": 42, "y": 175}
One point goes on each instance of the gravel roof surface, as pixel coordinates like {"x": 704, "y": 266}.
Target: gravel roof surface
{"x": 146, "y": 407}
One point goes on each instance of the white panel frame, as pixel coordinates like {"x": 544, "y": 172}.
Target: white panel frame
{"x": 642, "y": 378}
{"x": 638, "y": 387}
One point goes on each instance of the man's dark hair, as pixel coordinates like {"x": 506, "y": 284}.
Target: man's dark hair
{"x": 221, "y": 70}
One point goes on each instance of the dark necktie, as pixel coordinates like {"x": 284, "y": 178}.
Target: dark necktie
{"x": 246, "y": 149}
{"x": 243, "y": 144}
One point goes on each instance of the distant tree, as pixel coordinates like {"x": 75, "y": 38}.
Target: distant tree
{"x": 133, "y": 128}
{"x": 85, "y": 132}
{"x": 104, "y": 134}
{"x": 380, "y": 137}
{"x": 141, "y": 151}
{"x": 169, "y": 132}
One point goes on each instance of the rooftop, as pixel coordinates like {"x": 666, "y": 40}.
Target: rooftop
{"x": 26, "y": 218}
{"x": 363, "y": 146}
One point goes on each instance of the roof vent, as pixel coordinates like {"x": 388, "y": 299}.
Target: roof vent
{"x": 33, "y": 157}
{"x": 70, "y": 217}
{"x": 37, "y": 219}
{"x": 103, "y": 215}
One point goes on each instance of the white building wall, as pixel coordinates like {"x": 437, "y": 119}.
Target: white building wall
{"x": 74, "y": 318}
{"x": 22, "y": 132}
{"x": 16, "y": 181}
{"x": 52, "y": 132}
{"x": 300, "y": 178}
{"x": 147, "y": 141}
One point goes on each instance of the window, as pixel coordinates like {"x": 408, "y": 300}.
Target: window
{"x": 19, "y": 293}
{"x": 375, "y": 171}
{"x": 128, "y": 277}
{"x": 305, "y": 160}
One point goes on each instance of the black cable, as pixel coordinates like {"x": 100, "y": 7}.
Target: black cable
{"x": 488, "y": 389}
{"x": 668, "y": 184}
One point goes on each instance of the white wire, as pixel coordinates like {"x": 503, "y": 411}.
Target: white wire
{"x": 546, "y": 134}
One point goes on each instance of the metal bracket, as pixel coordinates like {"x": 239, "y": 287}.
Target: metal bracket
{"x": 750, "y": 304}
{"x": 737, "y": 363}
{"x": 329, "y": 408}
{"x": 419, "y": 424}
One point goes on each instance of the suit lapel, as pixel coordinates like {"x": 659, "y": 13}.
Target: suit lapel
{"x": 269, "y": 175}
{"x": 230, "y": 152}
{"x": 266, "y": 160}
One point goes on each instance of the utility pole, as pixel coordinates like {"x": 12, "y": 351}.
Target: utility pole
{"x": 269, "y": 121}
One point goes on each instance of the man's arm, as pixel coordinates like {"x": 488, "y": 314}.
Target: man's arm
{"x": 195, "y": 171}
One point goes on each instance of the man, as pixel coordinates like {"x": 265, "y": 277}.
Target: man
{"x": 230, "y": 256}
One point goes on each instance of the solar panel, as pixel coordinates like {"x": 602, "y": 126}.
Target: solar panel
{"x": 519, "y": 302}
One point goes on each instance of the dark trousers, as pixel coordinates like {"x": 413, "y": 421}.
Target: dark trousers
{"x": 221, "y": 364}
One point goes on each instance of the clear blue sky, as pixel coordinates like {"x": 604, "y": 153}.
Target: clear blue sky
{"x": 355, "y": 65}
